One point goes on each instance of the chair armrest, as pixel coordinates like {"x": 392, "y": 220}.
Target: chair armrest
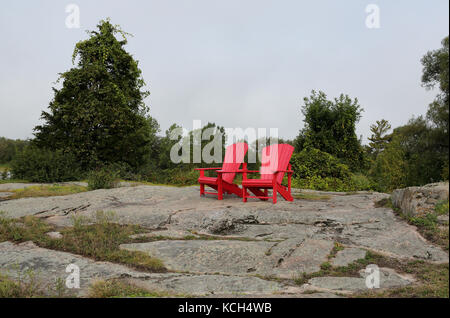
{"x": 199, "y": 169}
{"x": 238, "y": 171}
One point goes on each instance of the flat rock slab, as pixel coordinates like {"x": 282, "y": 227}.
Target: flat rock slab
{"x": 348, "y": 256}
{"x": 172, "y": 234}
{"x": 4, "y": 187}
{"x": 48, "y": 266}
{"x": 225, "y": 257}
{"x": 285, "y": 260}
{"x": 256, "y": 238}
{"x": 203, "y": 285}
{"x": 387, "y": 279}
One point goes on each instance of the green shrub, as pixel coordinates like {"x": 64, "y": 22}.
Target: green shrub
{"x": 183, "y": 177}
{"x": 322, "y": 184}
{"x": 4, "y": 174}
{"x": 442, "y": 207}
{"x": 318, "y": 170}
{"x": 103, "y": 178}
{"x": 124, "y": 171}
{"x": 178, "y": 176}
{"x": 389, "y": 170}
{"x": 445, "y": 172}
{"x": 40, "y": 165}
{"x": 361, "y": 183}
{"x": 311, "y": 162}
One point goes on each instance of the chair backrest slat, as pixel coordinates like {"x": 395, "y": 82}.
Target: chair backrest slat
{"x": 274, "y": 158}
{"x": 234, "y": 156}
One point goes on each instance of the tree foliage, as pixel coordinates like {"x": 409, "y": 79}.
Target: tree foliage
{"x": 330, "y": 127}
{"x": 43, "y": 165}
{"x": 9, "y": 148}
{"x": 419, "y": 151}
{"x": 380, "y": 138}
{"x": 436, "y": 73}
{"x": 99, "y": 113}
{"x": 388, "y": 170}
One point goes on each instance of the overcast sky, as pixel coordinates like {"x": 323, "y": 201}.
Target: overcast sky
{"x": 238, "y": 63}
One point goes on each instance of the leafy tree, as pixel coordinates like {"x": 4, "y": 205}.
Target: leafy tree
{"x": 9, "y": 148}
{"x": 436, "y": 73}
{"x": 425, "y": 161}
{"x": 99, "y": 113}
{"x": 330, "y": 127}
{"x": 379, "y": 138}
{"x": 165, "y": 144}
{"x": 42, "y": 165}
{"x": 218, "y": 132}
{"x": 389, "y": 169}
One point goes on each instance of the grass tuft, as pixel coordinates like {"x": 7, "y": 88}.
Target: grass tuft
{"x": 98, "y": 238}
{"x": 311, "y": 197}
{"x": 45, "y": 191}
{"x": 25, "y": 287}
{"x": 121, "y": 289}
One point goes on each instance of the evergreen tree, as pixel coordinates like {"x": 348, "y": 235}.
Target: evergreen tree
{"x": 99, "y": 113}
{"x": 379, "y": 138}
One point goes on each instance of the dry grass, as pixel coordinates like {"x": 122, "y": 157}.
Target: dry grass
{"x": 432, "y": 279}
{"x": 98, "y": 238}
{"x": 311, "y": 197}
{"x": 432, "y": 282}
{"x": 45, "y": 191}
{"x": 25, "y": 287}
{"x": 427, "y": 224}
{"x": 121, "y": 289}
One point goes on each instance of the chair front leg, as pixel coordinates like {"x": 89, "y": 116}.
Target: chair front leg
{"x": 244, "y": 171}
{"x": 219, "y": 186}
{"x": 202, "y": 186}
{"x": 202, "y": 189}
{"x": 274, "y": 188}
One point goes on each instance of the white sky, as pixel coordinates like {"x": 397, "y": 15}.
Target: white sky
{"x": 238, "y": 63}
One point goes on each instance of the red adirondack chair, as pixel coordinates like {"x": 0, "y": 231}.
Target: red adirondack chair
{"x": 234, "y": 156}
{"x": 275, "y": 160}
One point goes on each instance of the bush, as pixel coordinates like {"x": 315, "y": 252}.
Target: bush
{"x": 177, "y": 176}
{"x": 103, "y": 178}
{"x": 318, "y": 170}
{"x": 123, "y": 171}
{"x": 311, "y": 162}
{"x": 40, "y": 165}
{"x": 182, "y": 176}
{"x": 389, "y": 170}
{"x": 9, "y": 148}
{"x": 322, "y": 184}
{"x": 361, "y": 183}
{"x": 4, "y": 174}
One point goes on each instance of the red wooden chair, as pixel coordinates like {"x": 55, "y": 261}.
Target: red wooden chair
{"x": 275, "y": 160}
{"x": 234, "y": 156}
